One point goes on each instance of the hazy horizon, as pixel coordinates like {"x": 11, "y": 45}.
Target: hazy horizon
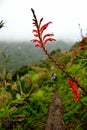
{"x": 16, "y": 41}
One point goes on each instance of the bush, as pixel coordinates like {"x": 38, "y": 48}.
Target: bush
{"x": 27, "y": 115}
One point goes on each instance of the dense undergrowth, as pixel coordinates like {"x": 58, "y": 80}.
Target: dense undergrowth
{"x": 75, "y": 113}
{"x": 27, "y": 106}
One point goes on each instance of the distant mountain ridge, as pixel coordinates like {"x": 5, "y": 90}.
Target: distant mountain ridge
{"x": 24, "y": 53}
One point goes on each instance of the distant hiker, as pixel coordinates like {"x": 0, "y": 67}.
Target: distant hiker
{"x": 54, "y": 77}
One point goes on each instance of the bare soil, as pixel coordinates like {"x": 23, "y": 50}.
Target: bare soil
{"x": 54, "y": 119}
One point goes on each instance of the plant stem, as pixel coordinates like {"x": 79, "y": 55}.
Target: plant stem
{"x": 50, "y": 57}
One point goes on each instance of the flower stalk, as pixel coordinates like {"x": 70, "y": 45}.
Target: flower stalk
{"x": 41, "y": 42}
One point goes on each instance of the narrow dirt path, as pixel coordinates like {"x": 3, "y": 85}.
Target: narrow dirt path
{"x": 54, "y": 119}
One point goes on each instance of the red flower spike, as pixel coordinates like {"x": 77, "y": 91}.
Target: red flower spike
{"x": 75, "y": 52}
{"x": 36, "y": 35}
{"x": 38, "y": 45}
{"x": 49, "y": 39}
{"x": 77, "y": 97}
{"x": 47, "y": 35}
{"x": 81, "y": 46}
{"x": 34, "y": 30}
{"x": 39, "y": 31}
{"x": 78, "y": 93}
{"x": 44, "y": 27}
{"x": 35, "y": 40}
{"x": 41, "y": 41}
{"x": 84, "y": 40}
{"x": 69, "y": 83}
{"x": 75, "y": 90}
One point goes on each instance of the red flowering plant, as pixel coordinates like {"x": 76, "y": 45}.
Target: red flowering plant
{"x": 83, "y": 44}
{"x": 41, "y": 40}
{"x": 75, "y": 52}
{"x": 75, "y": 90}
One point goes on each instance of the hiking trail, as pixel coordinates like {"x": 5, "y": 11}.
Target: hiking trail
{"x": 55, "y": 113}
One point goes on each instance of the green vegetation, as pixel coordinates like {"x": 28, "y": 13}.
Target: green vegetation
{"x": 27, "y": 105}
{"x": 25, "y": 98}
{"x": 75, "y": 116}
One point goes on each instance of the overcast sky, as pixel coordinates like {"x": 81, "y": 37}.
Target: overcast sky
{"x": 65, "y": 15}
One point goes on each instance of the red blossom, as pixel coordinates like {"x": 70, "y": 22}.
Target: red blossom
{"x": 74, "y": 99}
{"x": 38, "y": 32}
{"x": 78, "y": 93}
{"x": 35, "y": 40}
{"x": 84, "y": 40}
{"x": 47, "y": 35}
{"x": 44, "y": 27}
{"x": 38, "y": 45}
{"x": 77, "y": 97}
{"x": 81, "y": 46}
{"x": 34, "y": 30}
{"x": 69, "y": 82}
{"x": 75, "y": 52}
{"x": 48, "y": 40}
{"x": 75, "y": 89}
{"x": 41, "y": 42}
{"x": 36, "y": 35}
